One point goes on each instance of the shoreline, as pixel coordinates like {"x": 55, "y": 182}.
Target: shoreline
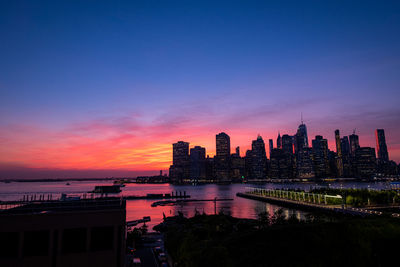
{"x": 197, "y": 182}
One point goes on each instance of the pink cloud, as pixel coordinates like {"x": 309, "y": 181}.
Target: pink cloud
{"x": 139, "y": 143}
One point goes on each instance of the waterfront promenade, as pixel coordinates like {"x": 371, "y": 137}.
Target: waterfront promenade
{"x": 308, "y": 201}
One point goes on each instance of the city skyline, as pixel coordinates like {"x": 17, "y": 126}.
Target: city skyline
{"x": 101, "y": 90}
{"x": 15, "y": 171}
{"x": 291, "y": 158}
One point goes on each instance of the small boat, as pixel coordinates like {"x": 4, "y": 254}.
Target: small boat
{"x": 67, "y": 184}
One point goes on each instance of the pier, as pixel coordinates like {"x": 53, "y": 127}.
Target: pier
{"x": 49, "y": 198}
{"x": 307, "y": 201}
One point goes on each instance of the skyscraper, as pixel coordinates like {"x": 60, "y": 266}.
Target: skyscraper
{"x": 180, "y": 154}
{"x": 345, "y": 145}
{"x": 301, "y": 138}
{"x": 287, "y": 143}
{"x": 259, "y": 159}
{"x": 381, "y": 147}
{"x": 281, "y": 164}
{"x": 223, "y": 145}
{"x": 304, "y": 164}
{"x": 237, "y": 166}
{"x": 338, "y": 143}
{"x": 279, "y": 141}
{"x": 237, "y": 150}
{"x": 320, "y": 156}
{"x": 222, "y": 158}
{"x": 339, "y": 159}
{"x": 271, "y": 146}
{"x": 365, "y": 162}
{"x": 354, "y": 144}
{"x": 346, "y": 160}
{"x": 248, "y": 164}
{"x": 282, "y": 160}
{"x": 180, "y": 168}
{"x": 198, "y": 163}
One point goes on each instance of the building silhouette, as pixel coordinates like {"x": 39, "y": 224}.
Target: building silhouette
{"x": 198, "y": 163}
{"x": 210, "y": 168}
{"x": 258, "y": 159}
{"x": 320, "y": 156}
{"x": 281, "y": 164}
{"x": 292, "y": 158}
{"x": 222, "y": 157}
{"x": 354, "y": 144}
{"x": 301, "y": 138}
{"x": 180, "y": 168}
{"x": 339, "y": 158}
{"x": 365, "y": 162}
{"x": 287, "y": 143}
{"x": 271, "y": 146}
{"x": 237, "y": 151}
{"x": 345, "y": 145}
{"x": 279, "y": 141}
{"x": 346, "y": 156}
{"x": 237, "y": 166}
{"x": 381, "y": 147}
{"x": 304, "y": 164}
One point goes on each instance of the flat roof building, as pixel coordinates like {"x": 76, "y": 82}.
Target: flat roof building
{"x": 88, "y": 232}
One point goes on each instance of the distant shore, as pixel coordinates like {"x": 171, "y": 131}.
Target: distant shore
{"x": 61, "y": 179}
{"x": 250, "y": 181}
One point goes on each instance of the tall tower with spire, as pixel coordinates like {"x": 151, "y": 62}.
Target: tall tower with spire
{"x": 301, "y": 137}
{"x": 279, "y": 141}
{"x": 303, "y": 152}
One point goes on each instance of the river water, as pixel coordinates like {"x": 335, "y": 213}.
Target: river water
{"x": 137, "y": 209}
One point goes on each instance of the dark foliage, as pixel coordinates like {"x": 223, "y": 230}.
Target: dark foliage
{"x": 221, "y": 240}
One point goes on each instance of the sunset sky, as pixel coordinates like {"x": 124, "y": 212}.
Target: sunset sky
{"x": 103, "y": 88}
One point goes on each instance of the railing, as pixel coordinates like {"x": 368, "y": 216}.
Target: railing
{"x": 320, "y": 199}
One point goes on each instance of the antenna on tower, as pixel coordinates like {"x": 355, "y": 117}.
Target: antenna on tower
{"x": 354, "y": 131}
{"x": 302, "y": 118}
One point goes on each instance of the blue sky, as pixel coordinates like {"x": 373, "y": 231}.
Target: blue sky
{"x": 65, "y": 63}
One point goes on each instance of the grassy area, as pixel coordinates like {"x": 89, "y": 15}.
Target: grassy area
{"x": 363, "y": 197}
{"x": 221, "y": 240}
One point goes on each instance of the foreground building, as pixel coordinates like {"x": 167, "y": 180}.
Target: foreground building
{"x": 64, "y": 233}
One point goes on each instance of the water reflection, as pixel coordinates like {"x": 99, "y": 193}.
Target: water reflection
{"x": 136, "y": 209}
